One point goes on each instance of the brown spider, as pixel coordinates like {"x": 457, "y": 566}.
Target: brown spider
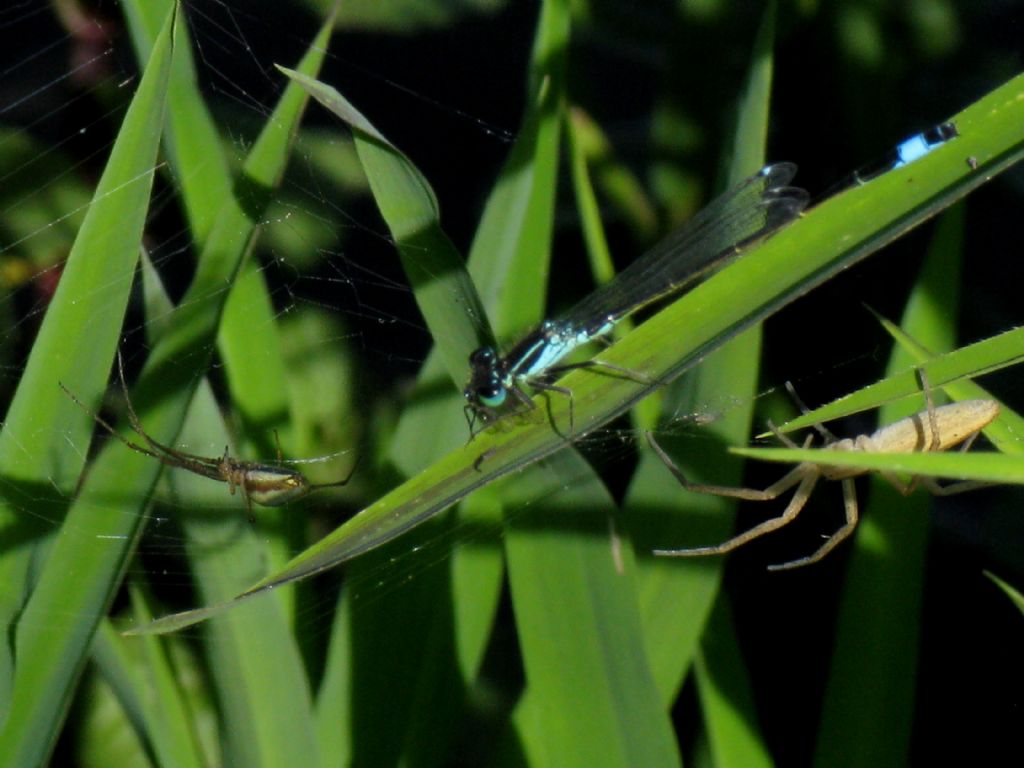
{"x": 266, "y": 484}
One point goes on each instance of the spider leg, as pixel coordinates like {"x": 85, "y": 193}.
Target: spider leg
{"x": 107, "y": 426}
{"x": 850, "y": 506}
{"x": 803, "y": 475}
{"x": 133, "y": 418}
{"x": 933, "y": 424}
{"x": 780, "y": 486}
{"x": 543, "y": 386}
{"x": 626, "y": 373}
{"x": 819, "y": 428}
{"x": 200, "y": 465}
{"x": 807, "y": 477}
{"x": 954, "y": 488}
{"x": 785, "y": 440}
{"x": 351, "y": 472}
{"x": 230, "y": 474}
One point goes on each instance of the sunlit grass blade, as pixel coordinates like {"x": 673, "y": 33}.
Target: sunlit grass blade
{"x": 1005, "y": 432}
{"x": 602, "y": 705}
{"x": 266, "y": 714}
{"x": 677, "y": 598}
{"x": 1013, "y": 594}
{"x": 190, "y": 138}
{"x": 944, "y": 370}
{"x": 982, "y": 466}
{"x": 726, "y": 697}
{"x": 591, "y": 699}
{"x": 106, "y": 518}
{"x": 52, "y": 631}
{"x": 247, "y": 337}
{"x": 949, "y": 371}
{"x": 866, "y": 712}
{"x": 266, "y": 709}
{"x": 828, "y": 238}
{"x": 435, "y": 270}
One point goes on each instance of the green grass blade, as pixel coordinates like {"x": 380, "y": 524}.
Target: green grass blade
{"x": 723, "y": 684}
{"x": 56, "y": 625}
{"x": 117, "y": 669}
{"x": 726, "y": 697}
{"x": 449, "y": 607}
{"x": 442, "y": 286}
{"x": 511, "y": 252}
{"x": 266, "y": 708}
{"x": 602, "y": 675}
{"x": 593, "y": 156}
{"x": 982, "y": 466}
{"x": 1002, "y": 433}
{"x": 190, "y": 137}
{"x": 607, "y": 670}
{"x": 868, "y": 704}
{"x": 946, "y": 371}
{"x": 117, "y": 672}
{"x": 253, "y": 352}
{"x": 1008, "y": 590}
{"x": 677, "y": 597}
{"x": 580, "y": 132}
{"x": 105, "y": 520}
{"x": 591, "y": 698}
{"x": 266, "y": 715}
{"x": 828, "y": 238}
{"x": 175, "y": 363}
{"x": 248, "y": 338}
{"x": 168, "y": 721}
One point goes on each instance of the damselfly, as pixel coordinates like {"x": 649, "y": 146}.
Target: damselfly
{"x": 749, "y": 211}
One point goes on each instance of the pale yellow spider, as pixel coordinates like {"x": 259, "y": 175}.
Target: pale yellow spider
{"x": 933, "y": 429}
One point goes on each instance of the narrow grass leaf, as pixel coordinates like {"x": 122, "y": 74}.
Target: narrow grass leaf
{"x": 593, "y": 700}
{"x": 168, "y": 720}
{"x": 983, "y": 466}
{"x": 602, "y": 676}
{"x": 54, "y": 628}
{"x": 106, "y": 518}
{"x": 678, "y": 597}
{"x": 266, "y": 715}
{"x": 829, "y": 238}
{"x": 619, "y": 186}
{"x": 1013, "y": 594}
{"x": 1003, "y": 433}
{"x": 723, "y": 684}
{"x": 190, "y": 138}
{"x": 266, "y": 709}
{"x": 437, "y": 273}
{"x": 942, "y": 370}
{"x": 866, "y": 715}
{"x": 726, "y": 697}
{"x": 452, "y": 602}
